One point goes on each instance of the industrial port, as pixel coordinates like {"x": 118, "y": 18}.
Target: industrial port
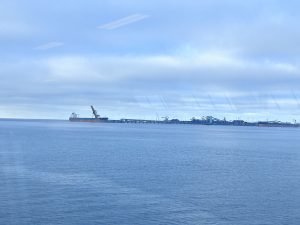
{"x": 207, "y": 120}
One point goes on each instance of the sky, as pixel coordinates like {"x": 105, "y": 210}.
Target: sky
{"x": 150, "y": 59}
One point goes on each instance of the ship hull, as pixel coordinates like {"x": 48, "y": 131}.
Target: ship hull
{"x": 89, "y": 120}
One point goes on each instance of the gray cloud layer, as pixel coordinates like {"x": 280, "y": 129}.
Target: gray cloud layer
{"x": 199, "y": 83}
{"x": 231, "y": 58}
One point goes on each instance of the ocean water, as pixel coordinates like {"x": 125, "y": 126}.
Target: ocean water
{"x": 57, "y": 172}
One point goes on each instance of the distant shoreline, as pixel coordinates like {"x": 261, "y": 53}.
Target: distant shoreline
{"x": 25, "y": 119}
{"x": 235, "y": 123}
{"x": 208, "y": 121}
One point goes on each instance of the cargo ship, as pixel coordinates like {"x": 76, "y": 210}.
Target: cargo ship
{"x": 97, "y": 118}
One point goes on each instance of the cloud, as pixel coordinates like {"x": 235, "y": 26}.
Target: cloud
{"x": 123, "y": 22}
{"x": 222, "y": 53}
{"x": 179, "y": 85}
{"x": 202, "y": 70}
{"x": 49, "y": 45}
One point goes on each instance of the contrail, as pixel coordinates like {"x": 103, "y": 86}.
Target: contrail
{"x": 123, "y": 22}
{"x": 49, "y": 45}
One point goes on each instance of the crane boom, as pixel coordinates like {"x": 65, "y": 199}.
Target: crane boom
{"x": 95, "y": 112}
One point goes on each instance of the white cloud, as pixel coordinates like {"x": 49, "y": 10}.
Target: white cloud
{"x": 285, "y": 67}
{"x": 49, "y": 45}
{"x": 123, "y": 22}
{"x": 210, "y": 67}
{"x": 71, "y": 68}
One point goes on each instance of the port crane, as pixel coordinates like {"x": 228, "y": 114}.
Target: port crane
{"x": 95, "y": 112}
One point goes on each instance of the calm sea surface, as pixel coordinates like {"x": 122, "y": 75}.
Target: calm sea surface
{"x": 54, "y": 173}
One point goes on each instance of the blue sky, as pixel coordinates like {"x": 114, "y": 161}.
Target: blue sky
{"x": 148, "y": 59}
